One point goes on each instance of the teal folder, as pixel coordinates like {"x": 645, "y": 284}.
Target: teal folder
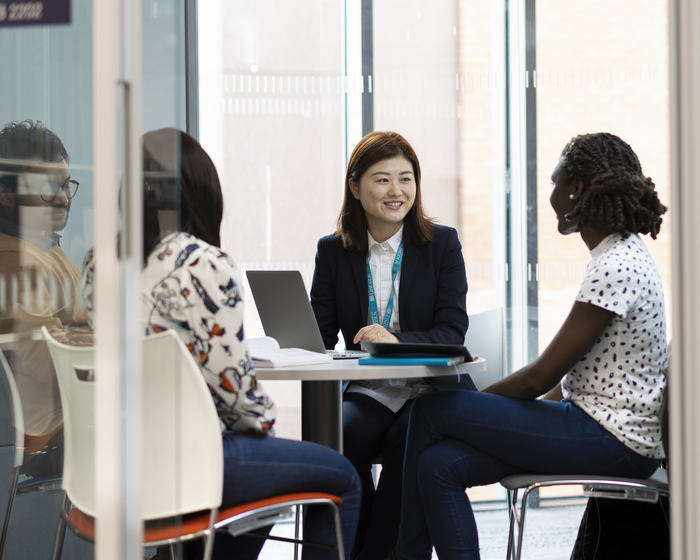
{"x": 410, "y": 360}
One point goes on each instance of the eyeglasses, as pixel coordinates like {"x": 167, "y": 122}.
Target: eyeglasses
{"x": 50, "y": 189}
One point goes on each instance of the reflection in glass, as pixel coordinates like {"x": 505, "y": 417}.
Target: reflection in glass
{"x": 39, "y": 284}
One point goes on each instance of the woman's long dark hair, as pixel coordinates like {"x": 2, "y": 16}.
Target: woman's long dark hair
{"x": 180, "y": 177}
{"x": 352, "y": 223}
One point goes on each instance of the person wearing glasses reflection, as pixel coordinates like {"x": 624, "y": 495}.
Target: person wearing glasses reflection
{"x": 39, "y": 284}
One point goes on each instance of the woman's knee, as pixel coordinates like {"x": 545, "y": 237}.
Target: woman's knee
{"x": 428, "y": 405}
{"x": 342, "y": 470}
{"x": 365, "y": 425}
{"x": 425, "y": 464}
{"x": 431, "y": 470}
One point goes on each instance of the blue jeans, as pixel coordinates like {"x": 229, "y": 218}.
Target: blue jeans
{"x": 460, "y": 439}
{"x": 257, "y": 467}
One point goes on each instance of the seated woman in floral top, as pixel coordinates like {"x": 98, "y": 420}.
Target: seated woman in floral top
{"x": 192, "y": 287}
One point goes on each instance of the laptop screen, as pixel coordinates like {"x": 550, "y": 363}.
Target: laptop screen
{"x": 284, "y": 308}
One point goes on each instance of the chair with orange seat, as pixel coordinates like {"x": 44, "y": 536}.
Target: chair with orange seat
{"x": 182, "y": 453}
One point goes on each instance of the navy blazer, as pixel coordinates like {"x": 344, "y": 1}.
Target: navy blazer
{"x": 432, "y": 295}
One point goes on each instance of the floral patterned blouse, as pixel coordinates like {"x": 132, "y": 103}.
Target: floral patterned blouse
{"x": 195, "y": 289}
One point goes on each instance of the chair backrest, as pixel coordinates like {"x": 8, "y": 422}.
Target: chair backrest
{"x": 182, "y": 454}
{"x": 486, "y": 338}
{"x": 14, "y": 407}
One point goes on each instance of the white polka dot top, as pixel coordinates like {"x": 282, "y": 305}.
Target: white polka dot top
{"x": 619, "y": 382}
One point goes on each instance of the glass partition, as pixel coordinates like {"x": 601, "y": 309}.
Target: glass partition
{"x": 49, "y": 222}
{"x": 46, "y": 223}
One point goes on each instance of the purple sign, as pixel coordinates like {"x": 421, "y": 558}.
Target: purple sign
{"x": 47, "y": 12}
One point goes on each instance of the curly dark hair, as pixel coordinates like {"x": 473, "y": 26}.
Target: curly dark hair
{"x": 617, "y": 196}
{"x": 24, "y": 141}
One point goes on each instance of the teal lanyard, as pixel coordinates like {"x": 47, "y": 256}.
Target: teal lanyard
{"x": 373, "y": 311}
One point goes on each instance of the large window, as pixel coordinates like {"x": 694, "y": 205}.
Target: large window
{"x": 600, "y": 67}
{"x": 487, "y": 92}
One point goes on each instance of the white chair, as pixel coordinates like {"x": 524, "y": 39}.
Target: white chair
{"x": 47, "y": 484}
{"x": 486, "y": 338}
{"x": 182, "y": 453}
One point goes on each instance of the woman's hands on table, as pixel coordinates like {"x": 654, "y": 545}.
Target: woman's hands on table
{"x": 374, "y": 333}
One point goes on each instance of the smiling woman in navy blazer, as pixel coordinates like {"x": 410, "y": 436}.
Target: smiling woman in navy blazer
{"x": 385, "y": 246}
{"x": 432, "y": 294}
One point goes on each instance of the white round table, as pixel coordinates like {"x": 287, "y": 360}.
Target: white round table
{"x": 321, "y": 390}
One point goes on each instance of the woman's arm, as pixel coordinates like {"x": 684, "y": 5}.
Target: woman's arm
{"x": 211, "y": 288}
{"x": 554, "y": 394}
{"x": 581, "y": 330}
{"x": 437, "y": 312}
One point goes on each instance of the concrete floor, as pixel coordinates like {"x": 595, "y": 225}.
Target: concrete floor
{"x": 549, "y": 535}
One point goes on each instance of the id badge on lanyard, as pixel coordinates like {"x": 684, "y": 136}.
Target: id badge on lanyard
{"x": 373, "y": 311}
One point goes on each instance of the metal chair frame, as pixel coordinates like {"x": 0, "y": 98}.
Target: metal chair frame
{"x": 238, "y": 520}
{"x": 640, "y": 490}
{"x": 47, "y": 484}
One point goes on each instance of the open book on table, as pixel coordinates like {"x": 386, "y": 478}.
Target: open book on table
{"x": 266, "y": 353}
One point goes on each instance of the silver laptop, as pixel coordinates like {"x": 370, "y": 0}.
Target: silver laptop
{"x": 286, "y": 313}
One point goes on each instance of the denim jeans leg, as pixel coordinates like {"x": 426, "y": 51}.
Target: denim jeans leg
{"x": 503, "y": 436}
{"x": 444, "y": 471}
{"x": 256, "y": 467}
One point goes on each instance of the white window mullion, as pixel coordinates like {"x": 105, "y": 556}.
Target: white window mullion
{"x": 518, "y": 183}
{"x": 684, "y": 414}
{"x": 116, "y": 132}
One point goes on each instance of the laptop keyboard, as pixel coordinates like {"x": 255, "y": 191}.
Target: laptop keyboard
{"x": 346, "y": 354}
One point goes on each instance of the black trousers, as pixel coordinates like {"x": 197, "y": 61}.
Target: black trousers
{"x": 623, "y": 530}
{"x": 371, "y": 432}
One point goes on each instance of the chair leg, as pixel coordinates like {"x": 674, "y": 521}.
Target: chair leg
{"x": 297, "y": 519}
{"x": 61, "y": 530}
{"x": 521, "y": 523}
{"x": 338, "y": 532}
{"x": 209, "y": 540}
{"x": 512, "y": 515}
{"x": 8, "y": 512}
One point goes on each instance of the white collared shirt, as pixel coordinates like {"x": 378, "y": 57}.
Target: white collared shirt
{"x": 392, "y": 393}
{"x": 381, "y": 261}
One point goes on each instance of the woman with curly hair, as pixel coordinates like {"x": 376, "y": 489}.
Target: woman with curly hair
{"x": 601, "y": 376}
